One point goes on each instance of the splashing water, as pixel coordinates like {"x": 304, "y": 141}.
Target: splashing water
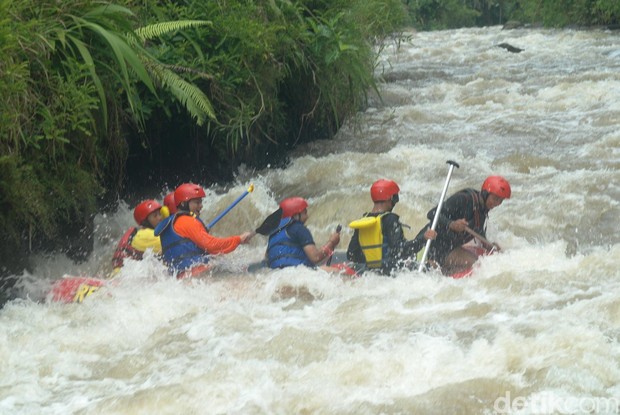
{"x": 534, "y": 330}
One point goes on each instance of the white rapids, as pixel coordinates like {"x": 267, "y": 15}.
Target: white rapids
{"x": 535, "y": 330}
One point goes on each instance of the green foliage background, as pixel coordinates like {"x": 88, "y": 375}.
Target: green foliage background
{"x": 95, "y": 93}
{"x": 85, "y": 83}
{"x": 447, "y": 14}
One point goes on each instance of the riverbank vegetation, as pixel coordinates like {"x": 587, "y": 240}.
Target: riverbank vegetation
{"x": 102, "y": 100}
{"x": 448, "y": 14}
{"x": 100, "y": 97}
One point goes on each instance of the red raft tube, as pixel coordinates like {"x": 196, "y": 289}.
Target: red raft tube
{"x": 75, "y": 289}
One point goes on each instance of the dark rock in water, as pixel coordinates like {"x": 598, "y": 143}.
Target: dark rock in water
{"x": 509, "y": 48}
{"x": 512, "y": 24}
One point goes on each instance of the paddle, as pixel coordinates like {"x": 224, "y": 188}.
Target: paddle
{"x": 270, "y": 224}
{"x": 490, "y": 246}
{"x": 232, "y": 205}
{"x": 329, "y": 261}
{"x": 452, "y": 164}
{"x": 266, "y": 228}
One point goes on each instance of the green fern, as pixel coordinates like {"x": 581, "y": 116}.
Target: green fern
{"x": 188, "y": 94}
{"x": 159, "y": 29}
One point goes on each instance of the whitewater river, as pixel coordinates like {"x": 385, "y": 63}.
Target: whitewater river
{"x": 535, "y": 330}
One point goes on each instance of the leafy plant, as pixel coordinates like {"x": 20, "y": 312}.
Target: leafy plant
{"x": 190, "y": 95}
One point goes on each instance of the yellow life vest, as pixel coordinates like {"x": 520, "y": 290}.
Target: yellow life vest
{"x": 145, "y": 238}
{"x": 370, "y": 235}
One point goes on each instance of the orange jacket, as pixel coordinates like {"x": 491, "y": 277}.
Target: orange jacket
{"x": 191, "y": 228}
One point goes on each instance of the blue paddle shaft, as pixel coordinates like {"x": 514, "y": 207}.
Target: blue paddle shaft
{"x": 228, "y": 209}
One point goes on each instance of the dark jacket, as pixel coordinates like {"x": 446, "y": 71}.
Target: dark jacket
{"x": 468, "y": 204}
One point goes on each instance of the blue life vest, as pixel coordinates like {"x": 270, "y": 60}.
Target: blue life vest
{"x": 179, "y": 253}
{"x": 282, "y": 251}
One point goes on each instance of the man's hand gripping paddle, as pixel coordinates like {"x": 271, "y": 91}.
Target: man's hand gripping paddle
{"x": 488, "y": 245}
{"x": 329, "y": 261}
{"x": 452, "y": 164}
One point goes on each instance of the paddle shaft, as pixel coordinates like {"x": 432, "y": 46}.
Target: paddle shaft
{"x": 232, "y": 205}
{"x": 488, "y": 244}
{"x": 452, "y": 164}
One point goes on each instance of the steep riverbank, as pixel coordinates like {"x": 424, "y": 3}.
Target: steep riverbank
{"x": 100, "y": 101}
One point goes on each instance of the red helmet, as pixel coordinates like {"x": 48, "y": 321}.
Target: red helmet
{"x": 383, "y": 190}
{"x": 169, "y": 203}
{"x": 144, "y": 209}
{"x": 498, "y": 186}
{"x": 188, "y": 191}
{"x": 293, "y": 206}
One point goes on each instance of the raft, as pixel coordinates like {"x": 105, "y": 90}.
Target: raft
{"x": 75, "y": 289}
{"x": 476, "y": 250}
{"x": 339, "y": 260}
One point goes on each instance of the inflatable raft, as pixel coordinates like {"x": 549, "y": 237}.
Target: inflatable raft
{"x": 75, "y": 289}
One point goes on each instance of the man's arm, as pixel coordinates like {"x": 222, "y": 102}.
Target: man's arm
{"x": 455, "y": 207}
{"x": 395, "y": 240}
{"x": 354, "y": 251}
{"x": 194, "y": 230}
{"x": 302, "y": 237}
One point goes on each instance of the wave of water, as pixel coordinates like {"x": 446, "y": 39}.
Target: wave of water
{"x": 535, "y": 330}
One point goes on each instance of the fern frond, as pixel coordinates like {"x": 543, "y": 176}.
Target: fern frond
{"x": 189, "y": 95}
{"x": 158, "y": 29}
